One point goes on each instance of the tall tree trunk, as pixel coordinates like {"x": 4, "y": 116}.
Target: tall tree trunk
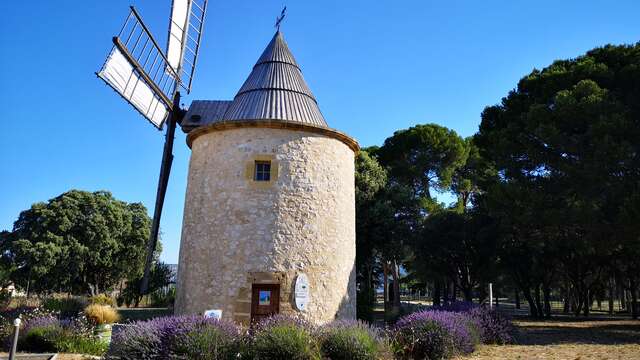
{"x": 587, "y": 302}
{"x": 468, "y": 294}
{"x": 385, "y": 279}
{"x": 538, "y": 301}
{"x": 533, "y": 310}
{"x": 517, "y": 293}
{"x": 437, "y": 287}
{"x": 455, "y": 291}
{"x": 611, "y": 295}
{"x": 446, "y": 292}
{"x": 396, "y": 285}
{"x": 546, "y": 292}
{"x": 634, "y": 299}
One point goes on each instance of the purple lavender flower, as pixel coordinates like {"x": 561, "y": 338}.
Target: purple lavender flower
{"x": 458, "y": 326}
{"x": 279, "y": 320}
{"x": 494, "y": 328}
{"x": 159, "y": 338}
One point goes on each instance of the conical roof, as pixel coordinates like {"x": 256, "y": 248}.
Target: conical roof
{"x": 275, "y": 90}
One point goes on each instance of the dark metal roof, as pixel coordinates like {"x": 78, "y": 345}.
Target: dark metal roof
{"x": 275, "y": 90}
{"x": 202, "y": 112}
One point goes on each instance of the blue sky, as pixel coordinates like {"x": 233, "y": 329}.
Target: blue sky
{"x": 374, "y": 66}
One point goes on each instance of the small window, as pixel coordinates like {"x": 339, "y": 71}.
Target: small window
{"x": 263, "y": 171}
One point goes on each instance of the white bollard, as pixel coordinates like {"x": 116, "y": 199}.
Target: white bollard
{"x": 490, "y": 296}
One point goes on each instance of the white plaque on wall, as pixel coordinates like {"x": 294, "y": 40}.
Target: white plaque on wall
{"x": 302, "y": 292}
{"x": 215, "y": 314}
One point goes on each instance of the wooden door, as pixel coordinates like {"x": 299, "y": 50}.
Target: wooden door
{"x": 265, "y": 300}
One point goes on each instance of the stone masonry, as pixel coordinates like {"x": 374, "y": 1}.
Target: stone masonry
{"x": 238, "y": 232}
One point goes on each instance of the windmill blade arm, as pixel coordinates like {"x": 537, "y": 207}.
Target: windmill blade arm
{"x": 139, "y": 71}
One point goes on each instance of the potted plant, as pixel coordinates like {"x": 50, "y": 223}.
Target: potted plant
{"x": 102, "y": 316}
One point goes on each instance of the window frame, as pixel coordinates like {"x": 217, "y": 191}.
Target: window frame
{"x": 260, "y": 174}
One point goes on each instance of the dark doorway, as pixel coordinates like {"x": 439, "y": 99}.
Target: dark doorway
{"x": 265, "y": 300}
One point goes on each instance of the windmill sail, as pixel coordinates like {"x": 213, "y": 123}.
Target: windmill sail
{"x": 183, "y": 42}
{"x": 139, "y": 71}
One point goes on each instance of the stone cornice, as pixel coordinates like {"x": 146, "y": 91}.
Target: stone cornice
{"x": 272, "y": 124}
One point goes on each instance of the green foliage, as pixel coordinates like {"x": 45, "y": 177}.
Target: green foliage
{"x": 102, "y": 299}
{"x": 207, "y": 343}
{"x": 78, "y": 242}
{"x": 424, "y": 157}
{"x": 40, "y": 339}
{"x": 371, "y": 179}
{"x": 461, "y": 246}
{"x": 285, "y": 341}
{"x": 427, "y": 340}
{"x": 164, "y": 298}
{"x": 159, "y": 277}
{"x": 565, "y": 144}
{"x": 67, "y": 307}
{"x": 76, "y": 344}
{"x": 54, "y": 338}
{"x": 353, "y": 342}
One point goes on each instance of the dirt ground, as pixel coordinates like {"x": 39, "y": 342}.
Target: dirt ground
{"x": 568, "y": 338}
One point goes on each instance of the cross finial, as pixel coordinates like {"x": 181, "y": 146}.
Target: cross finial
{"x": 280, "y": 18}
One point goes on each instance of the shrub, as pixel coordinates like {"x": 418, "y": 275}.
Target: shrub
{"x": 207, "y": 339}
{"x": 101, "y": 314}
{"x": 48, "y": 334}
{"x": 178, "y": 336}
{"x": 460, "y": 328}
{"x": 5, "y": 298}
{"x": 39, "y": 334}
{"x": 141, "y": 340}
{"x": 493, "y": 327}
{"x": 423, "y": 340}
{"x": 284, "y": 337}
{"x": 65, "y": 307}
{"x": 40, "y": 339}
{"x": 78, "y": 344}
{"x": 456, "y": 306}
{"x": 345, "y": 340}
{"x": 162, "y": 298}
{"x": 102, "y": 299}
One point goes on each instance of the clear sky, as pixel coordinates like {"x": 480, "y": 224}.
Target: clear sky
{"x": 374, "y": 66}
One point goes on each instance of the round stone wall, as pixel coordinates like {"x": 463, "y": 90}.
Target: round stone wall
{"x": 238, "y": 232}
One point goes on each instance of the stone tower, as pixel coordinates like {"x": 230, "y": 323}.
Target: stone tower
{"x": 269, "y": 218}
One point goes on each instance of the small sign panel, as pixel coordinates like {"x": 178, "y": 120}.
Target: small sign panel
{"x": 264, "y": 298}
{"x": 213, "y": 314}
{"x": 302, "y": 292}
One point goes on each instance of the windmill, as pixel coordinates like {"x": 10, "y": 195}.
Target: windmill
{"x": 150, "y": 79}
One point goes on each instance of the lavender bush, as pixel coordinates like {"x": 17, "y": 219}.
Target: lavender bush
{"x": 494, "y": 328}
{"x": 357, "y": 340}
{"x": 462, "y": 331}
{"x": 422, "y": 340}
{"x": 47, "y": 333}
{"x": 283, "y": 337}
{"x": 177, "y": 337}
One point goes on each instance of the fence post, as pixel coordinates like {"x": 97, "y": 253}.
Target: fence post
{"x": 14, "y": 345}
{"x": 490, "y": 295}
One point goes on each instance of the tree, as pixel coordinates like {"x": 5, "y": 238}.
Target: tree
{"x": 565, "y": 146}
{"x": 424, "y": 158}
{"x": 420, "y": 160}
{"x": 78, "y": 242}
{"x": 460, "y": 247}
{"x": 159, "y": 277}
{"x": 370, "y": 178}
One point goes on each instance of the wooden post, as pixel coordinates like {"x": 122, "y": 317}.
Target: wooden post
{"x": 165, "y": 170}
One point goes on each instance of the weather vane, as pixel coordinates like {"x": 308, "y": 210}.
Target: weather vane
{"x": 280, "y": 18}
